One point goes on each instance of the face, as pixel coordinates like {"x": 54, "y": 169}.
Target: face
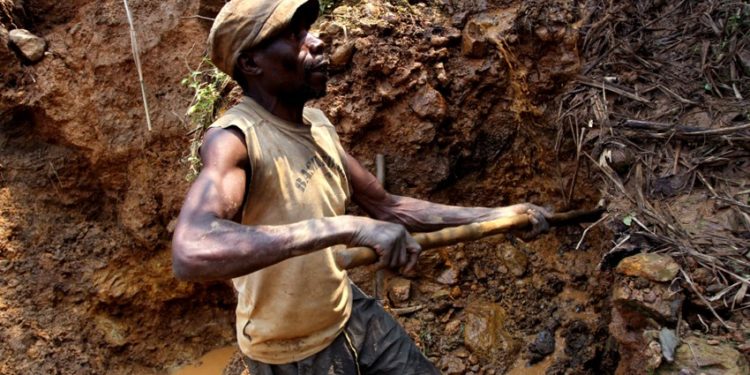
{"x": 293, "y": 65}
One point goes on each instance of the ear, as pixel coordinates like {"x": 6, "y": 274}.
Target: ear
{"x": 247, "y": 65}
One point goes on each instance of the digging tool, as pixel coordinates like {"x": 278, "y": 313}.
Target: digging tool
{"x": 361, "y": 256}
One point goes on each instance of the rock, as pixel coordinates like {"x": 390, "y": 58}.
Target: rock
{"x": 342, "y": 55}
{"x": 452, "y": 365}
{"x": 11, "y": 68}
{"x": 115, "y": 333}
{"x": 439, "y": 41}
{"x": 654, "y": 267}
{"x": 474, "y": 41}
{"x": 448, "y": 277}
{"x": 697, "y": 356}
{"x": 657, "y": 302}
{"x": 452, "y": 327}
{"x": 428, "y": 103}
{"x": 653, "y": 355}
{"x": 399, "y": 290}
{"x": 579, "y": 343}
{"x": 31, "y": 46}
{"x": 514, "y": 259}
{"x": 543, "y": 345}
{"x": 483, "y": 29}
{"x": 669, "y": 341}
{"x": 484, "y": 330}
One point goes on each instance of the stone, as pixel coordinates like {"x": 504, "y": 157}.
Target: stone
{"x": 669, "y": 341}
{"x": 483, "y": 29}
{"x": 543, "y": 345}
{"x": 653, "y": 355}
{"x": 452, "y": 327}
{"x": 654, "y": 267}
{"x": 697, "y": 356}
{"x": 473, "y": 40}
{"x": 451, "y": 365}
{"x": 343, "y": 54}
{"x": 484, "y": 330}
{"x": 448, "y": 277}
{"x": 31, "y": 46}
{"x": 657, "y": 302}
{"x": 399, "y": 290}
{"x": 514, "y": 259}
{"x": 115, "y": 333}
{"x": 428, "y": 103}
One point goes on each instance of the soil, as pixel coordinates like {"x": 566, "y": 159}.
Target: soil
{"x": 461, "y": 97}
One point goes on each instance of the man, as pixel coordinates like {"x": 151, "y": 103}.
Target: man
{"x": 268, "y": 209}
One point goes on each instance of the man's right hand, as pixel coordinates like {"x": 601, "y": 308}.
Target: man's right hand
{"x": 392, "y": 242}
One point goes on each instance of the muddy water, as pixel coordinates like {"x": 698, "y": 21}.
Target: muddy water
{"x": 213, "y": 363}
{"x": 540, "y": 368}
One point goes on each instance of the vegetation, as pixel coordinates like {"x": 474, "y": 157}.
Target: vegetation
{"x": 208, "y": 83}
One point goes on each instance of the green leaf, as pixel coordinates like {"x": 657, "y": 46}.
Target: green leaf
{"x": 628, "y": 220}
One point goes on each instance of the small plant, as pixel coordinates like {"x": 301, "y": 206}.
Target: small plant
{"x": 208, "y": 83}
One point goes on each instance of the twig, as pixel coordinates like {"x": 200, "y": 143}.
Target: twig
{"x": 407, "y": 310}
{"x": 199, "y": 17}
{"x": 708, "y": 304}
{"x": 604, "y": 86}
{"x": 605, "y": 216}
{"x": 137, "y": 58}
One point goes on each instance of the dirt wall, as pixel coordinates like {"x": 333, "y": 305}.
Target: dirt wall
{"x": 456, "y": 94}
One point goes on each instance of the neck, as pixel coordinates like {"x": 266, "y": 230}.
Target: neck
{"x": 289, "y": 110}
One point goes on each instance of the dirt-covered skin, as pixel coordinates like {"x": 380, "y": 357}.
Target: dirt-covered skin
{"x": 88, "y": 196}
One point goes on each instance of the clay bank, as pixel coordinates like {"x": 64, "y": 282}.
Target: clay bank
{"x": 472, "y": 103}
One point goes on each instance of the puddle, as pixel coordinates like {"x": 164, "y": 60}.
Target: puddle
{"x": 212, "y": 363}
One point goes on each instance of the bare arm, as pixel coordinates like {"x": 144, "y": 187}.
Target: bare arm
{"x": 208, "y": 245}
{"x": 422, "y": 216}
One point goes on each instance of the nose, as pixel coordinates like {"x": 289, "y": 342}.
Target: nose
{"x": 314, "y": 44}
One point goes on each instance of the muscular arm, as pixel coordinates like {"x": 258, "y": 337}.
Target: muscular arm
{"x": 208, "y": 245}
{"x": 422, "y": 216}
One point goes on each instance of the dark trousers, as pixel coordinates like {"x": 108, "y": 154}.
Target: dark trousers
{"x": 372, "y": 343}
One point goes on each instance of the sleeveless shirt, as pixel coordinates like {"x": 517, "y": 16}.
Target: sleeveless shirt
{"x": 295, "y": 308}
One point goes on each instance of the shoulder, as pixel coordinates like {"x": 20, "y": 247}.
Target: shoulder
{"x": 242, "y": 116}
{"x": 224, "y": 147}
{"x": 316, "y": 117}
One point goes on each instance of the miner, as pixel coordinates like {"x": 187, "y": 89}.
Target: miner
{"x": 268, "y": 208}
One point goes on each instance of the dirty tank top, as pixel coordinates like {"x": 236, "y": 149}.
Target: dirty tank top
{"x": 295, "y": 308}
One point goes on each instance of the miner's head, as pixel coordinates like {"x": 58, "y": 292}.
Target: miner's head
{"x": 266, "y": 46}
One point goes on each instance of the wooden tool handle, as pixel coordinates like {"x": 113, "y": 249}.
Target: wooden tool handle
{"x": 361, "y": 256}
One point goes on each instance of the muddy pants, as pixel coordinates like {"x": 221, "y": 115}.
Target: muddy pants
{"x": 372, "y": 343}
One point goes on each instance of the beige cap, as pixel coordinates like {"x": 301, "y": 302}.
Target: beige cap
{"x": 243, "y": 24}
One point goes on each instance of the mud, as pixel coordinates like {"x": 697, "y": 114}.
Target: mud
{"x": 458, "y": 95}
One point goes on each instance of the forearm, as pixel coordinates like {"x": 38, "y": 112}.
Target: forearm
{"x": 423, "y": 216}
{"x": 216, "y": 249}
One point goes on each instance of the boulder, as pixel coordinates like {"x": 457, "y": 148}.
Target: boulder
{"x": 654, "y": 267}
{"x": 484, "y": 330}
{"x": 31, "y": 46}
{"x": 655, "y": 301}
{"x": 697, "y": 356}
{"x": 428, "y": 103}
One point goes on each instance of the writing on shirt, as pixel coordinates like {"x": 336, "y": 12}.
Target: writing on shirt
{"x": 314, "y": 164}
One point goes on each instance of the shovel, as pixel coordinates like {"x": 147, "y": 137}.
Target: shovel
{"x": 361, "y": 256}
